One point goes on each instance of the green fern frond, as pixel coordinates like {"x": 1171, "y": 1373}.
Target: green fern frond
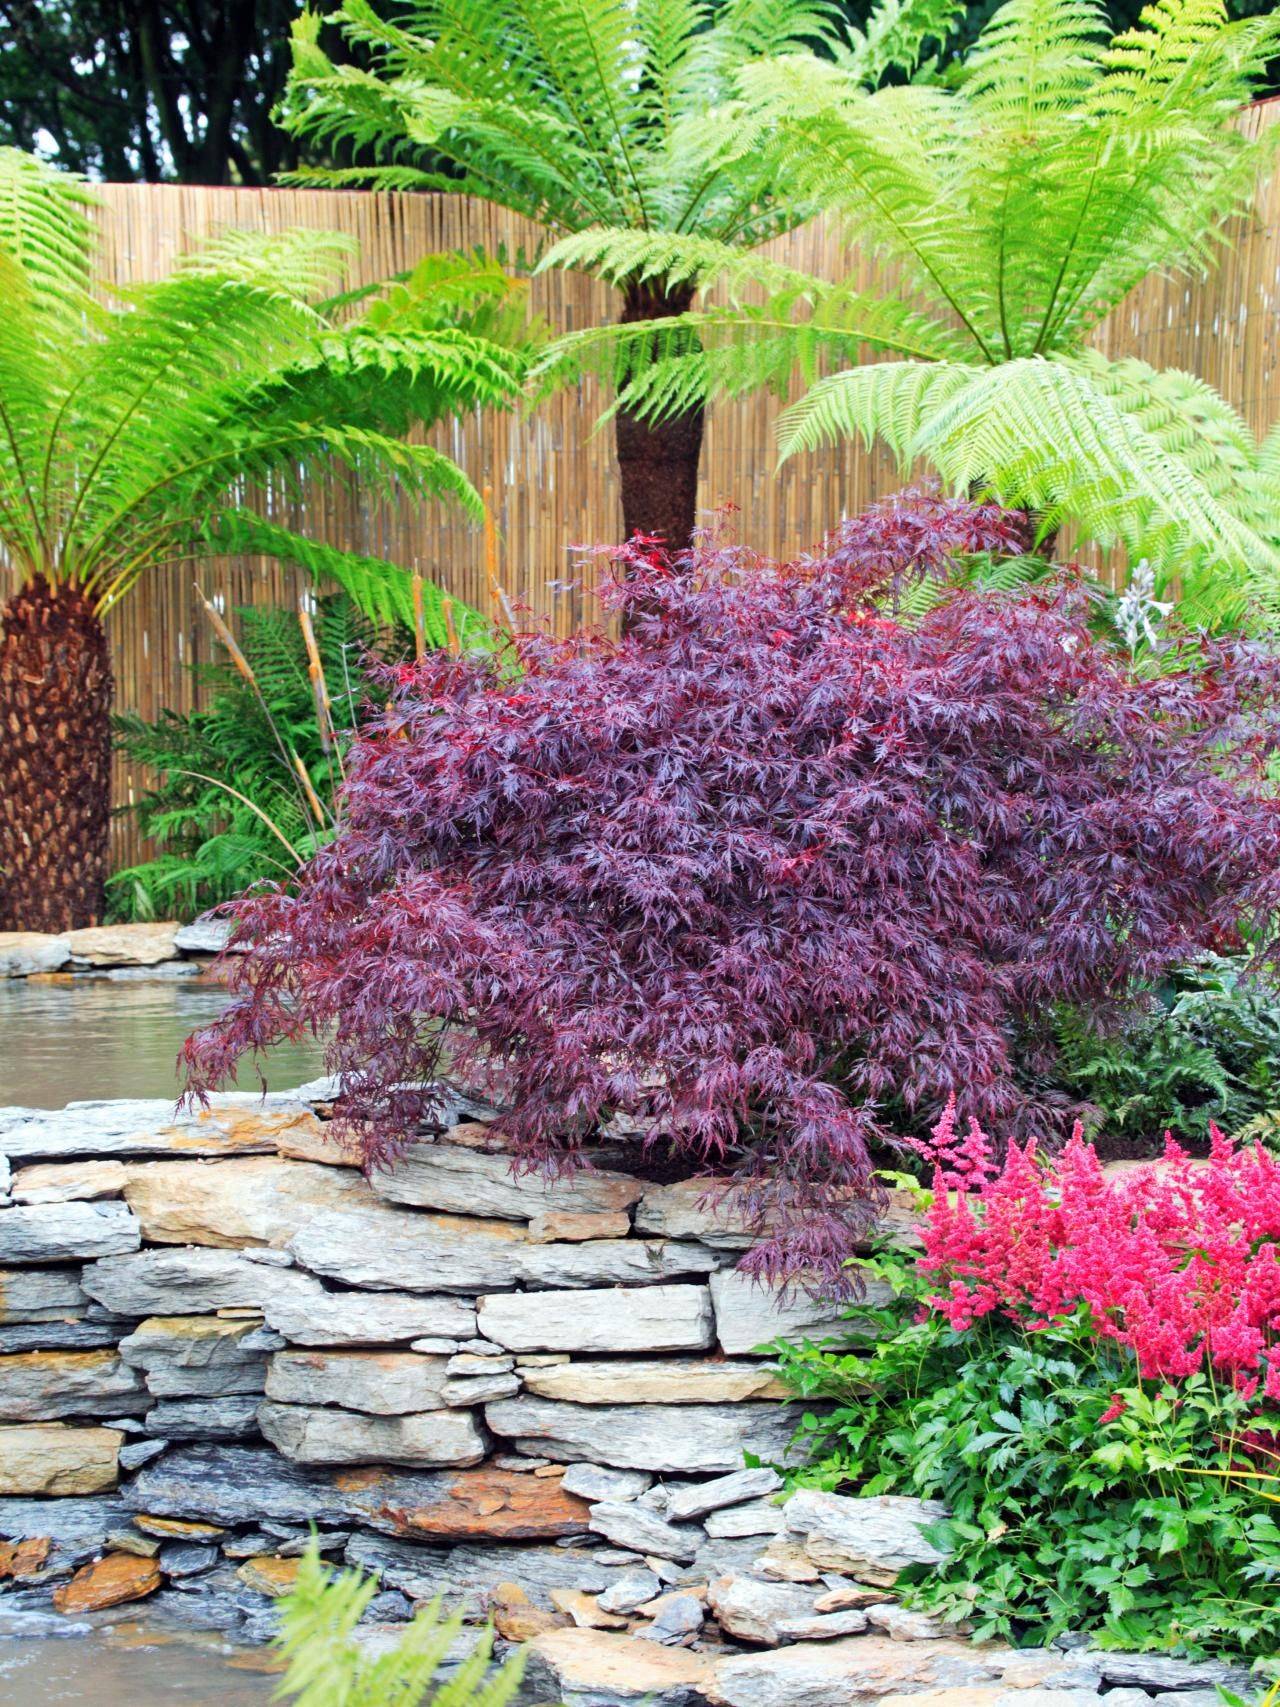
{"x": 893, "y": 401}
{"x": 327, "y": 1665}
{"x": 46, "y": 232}
{"x": 1005, "y": 213}
{"x": 895, "y": 39}
{"x": 571, "y": 112}
{"x": 662, "y": 368}
{"x": 382, "y": 590}
{"x": 128, "y": 432}
{"x": 1153, "y": 461}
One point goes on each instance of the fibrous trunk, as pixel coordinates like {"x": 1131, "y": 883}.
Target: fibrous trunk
{"x": 55, "y": 759}
{"x": 658, "y": 461}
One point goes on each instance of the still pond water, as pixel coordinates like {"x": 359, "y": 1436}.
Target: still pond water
{"x": 91, "y": 1038}
{"x": 103, "y": 1671}
{"x": 85, "y": 1039}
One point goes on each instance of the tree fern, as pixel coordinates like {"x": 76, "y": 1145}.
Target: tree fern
{"x": 1003, "y": 213}
{"x": 141, "y": 428}
{"x": 130, "y": 430}
{"x": 591, "y": 116}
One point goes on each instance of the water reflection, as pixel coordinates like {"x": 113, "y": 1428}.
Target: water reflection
{"x": 103, "y": 1671}
{"x": 87, "y": 1038}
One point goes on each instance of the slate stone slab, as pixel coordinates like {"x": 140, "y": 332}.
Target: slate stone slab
{"x": 66, "y": 1232}
{"x": 234, "y": 1485}
{"x": 40, "y": 1294}
{"x": 679, "y": 1439}
{"x": 61, "y": 1336}
{"x": 464, "y": 1575}
{"x": 77, "y": 1528}
{"x": 205, "y": 1418}
{"x": 236, "y": 1123}
{"x": 469, "y": 1181}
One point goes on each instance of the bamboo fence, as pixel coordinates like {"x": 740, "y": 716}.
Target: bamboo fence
{"x": 552, "y": 476}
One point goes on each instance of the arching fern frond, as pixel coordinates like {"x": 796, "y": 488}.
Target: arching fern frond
{"x": 1123, "y": 452}
{"x": 384, "y": 591}
{"x": 328, "y": 1666}
{"x": 131, "y": 432}
{"x": 1008, "y": 210}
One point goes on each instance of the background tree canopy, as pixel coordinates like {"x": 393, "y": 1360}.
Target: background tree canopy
{"x": 148, "y": 89}
{"x": 182, "y": 90}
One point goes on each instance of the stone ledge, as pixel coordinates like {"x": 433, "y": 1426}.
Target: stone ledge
{"x": 533, "y": 1400}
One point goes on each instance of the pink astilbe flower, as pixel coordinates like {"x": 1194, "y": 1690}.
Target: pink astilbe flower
{"x": 1177, "y": 1261}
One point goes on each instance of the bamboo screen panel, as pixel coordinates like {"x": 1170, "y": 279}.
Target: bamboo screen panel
{"x": 552, "y": 478}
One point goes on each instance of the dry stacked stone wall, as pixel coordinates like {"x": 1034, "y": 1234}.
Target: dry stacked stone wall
{"x": 533, "y": 1399}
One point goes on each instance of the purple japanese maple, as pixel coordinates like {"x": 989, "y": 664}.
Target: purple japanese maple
{"x": 768, "y": 878}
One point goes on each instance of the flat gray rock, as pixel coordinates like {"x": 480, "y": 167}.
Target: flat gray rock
{"x": 203, "y": 936}
{"x": 230, "y": 1485}
{"x": 469, "y": 1390}
{"x": 653, "y": 1318}
{"x": 48, "y": 1386}
{"x": 751, "y": 1610}
{"x": 66, "y": 1232}
{"x": 467, "y": 1181}
{"x": 382, "y": 1383}
{"x": 856, "y": 1669}
{"x": 465, "y": 1575}
{"x": 679, "y": 1616}
{"x": 678, "y": 1439}
{"x": 60, "y": 1336}
{"x": 627, "y": 1524}
{"x": 631, "y": 1590}
{"x": 378, "y": 1246}
{"x": 236, "y": 1123}
{"x": 405, "y": 1250}
{"x": 318, "y": 1435}
{"x": 210, "y": 1418}
{"x": 142, "y": 943}
{"x": 870, "y": 1539}
{"x": 697, "y": 1498}
{"x": 309, "y": 1313}
{"x": 600, "y": 1482}
{"x": 1161, "y": 1672}
{"x": 136, "y": 1453}
{"x": 187, "y": 1558}
{"x": 613, "y": 1262}
{"x": 256, "y": 1485}
{"x": 750, "y": 1316}
{"x": 694, "y": 1209}
{"x": 654, "y": 1381}
{"x": 185, "y": 1280}
{"x": 189, "y": 1355}
{"x": 757, "y": 1517}
{"x": 23, "y": 953}
{"x": 40, "y": 1294}
{"x": 77, "y": 1527}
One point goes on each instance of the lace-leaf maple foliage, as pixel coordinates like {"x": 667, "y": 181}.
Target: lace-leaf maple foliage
{"x": 770, "y": 878}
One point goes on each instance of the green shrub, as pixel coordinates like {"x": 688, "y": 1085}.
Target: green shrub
{"x": 1081, "y": 1497}
{"x": 328, "y": 1666}
{"x": 225, "y": 775}
{"x": 1208, "y": 1049}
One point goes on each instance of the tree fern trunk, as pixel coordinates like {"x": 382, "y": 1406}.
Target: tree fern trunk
{"x": 658, "y": 462}
{"x": 55, "y": 759}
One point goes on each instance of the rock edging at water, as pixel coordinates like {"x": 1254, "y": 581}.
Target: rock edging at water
{"x": 163, "y": 947}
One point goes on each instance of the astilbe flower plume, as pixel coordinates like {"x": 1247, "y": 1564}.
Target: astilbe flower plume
{"x": 1177, "y": 1261}
{"x": 756, "y": 872}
